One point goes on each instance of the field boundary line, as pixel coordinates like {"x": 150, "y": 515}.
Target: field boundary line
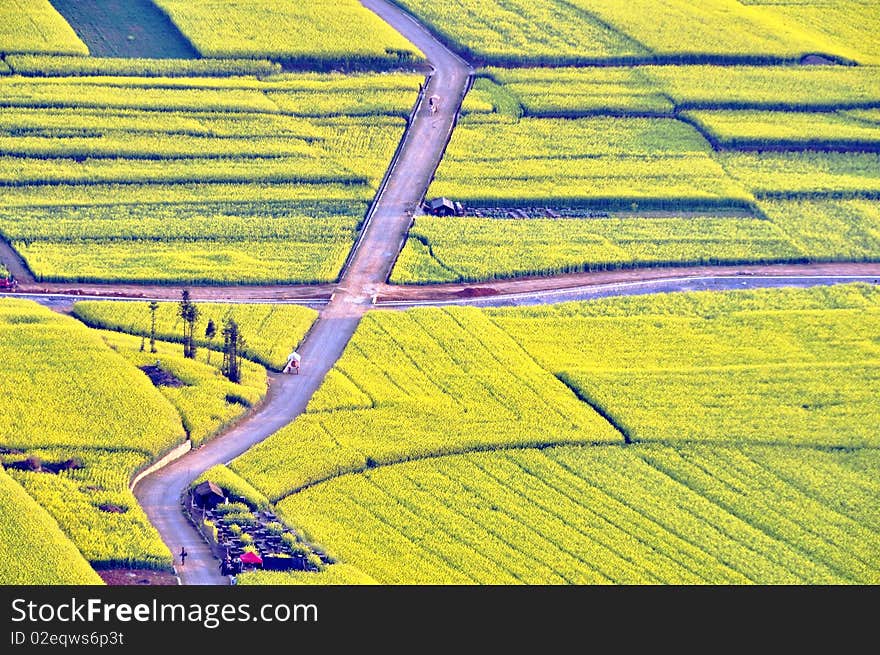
{"x": 875, "y": 279}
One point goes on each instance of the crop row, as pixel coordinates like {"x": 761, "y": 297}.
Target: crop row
{"x": 598, "y": 160}
{"x": 760, "y": 129}
{"x": 163, "y": 195}
{"x": 63, "y": 66}
{"x": 643, "y": 515}
{"x": 296, "y": 221}
{"x": 449, "y": 249}
{"x": 572, "y": 92}
{"x": 309, "y": 95}
{"x": 456, "y": 249}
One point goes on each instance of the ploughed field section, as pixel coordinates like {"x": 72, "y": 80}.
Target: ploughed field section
{"x": 125, "y": 28}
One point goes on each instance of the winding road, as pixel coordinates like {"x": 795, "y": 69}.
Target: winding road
{"x": 367, "y": 268}
{"x": 363, "y": 286}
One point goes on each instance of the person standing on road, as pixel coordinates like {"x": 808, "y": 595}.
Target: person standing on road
{"x": 183, "y": 555}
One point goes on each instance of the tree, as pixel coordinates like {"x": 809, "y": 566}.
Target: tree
{"x": 233, "y": 345}
{"x": 153, "y": 307}
{"x": 189, "y": 314}
{"x": 210, "y": 333}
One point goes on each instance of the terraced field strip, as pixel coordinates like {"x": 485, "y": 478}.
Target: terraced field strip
{"x": 162, "y": 180}
{"x": 640, "y": 514}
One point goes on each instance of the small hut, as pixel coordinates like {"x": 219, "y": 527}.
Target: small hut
{"x": 208, "y": 495}
{"x": 441, "y": 207}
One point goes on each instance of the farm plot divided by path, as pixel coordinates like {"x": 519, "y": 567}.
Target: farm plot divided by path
{"x": 109, "y": 407}
{"x": 672, "y": 440}
{"x": 580, "y": 169}
{"x": 194, "y": 180}
{"x": 651, "y": 439}
{"x": 665, "y": 439}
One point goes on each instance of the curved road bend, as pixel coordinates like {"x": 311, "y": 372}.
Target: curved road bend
{"x": 159, "y": 494}
{"x": 374, "y": 255}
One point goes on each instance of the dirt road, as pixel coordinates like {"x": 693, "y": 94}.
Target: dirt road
{"x": 159, "y": 494}
{"x": 369, "y": 265}
{"x": 672, "y": 278}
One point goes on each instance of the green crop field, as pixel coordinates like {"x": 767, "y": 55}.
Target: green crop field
{"x": 270, "y": 331}
{"x": 100, "y": 411}
{"x": 321, "y": 31}
{"x": 33, "y": 26}
{"x": 686, "y": 164}
{"x": 754, "y": 129}
{"x": 34, "y": 549}
{"x": 448, "y": 507}
{"x": 233, "y": 180}
{"x": 95, "y": 409}
{"x": 514, "y": 32}
{"x": 640, "y": 515}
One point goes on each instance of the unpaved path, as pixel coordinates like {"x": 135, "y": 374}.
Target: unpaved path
{"x": 679, "y": 278}
{"x": 368, "y": 266}
{"x": 159, "y": 494}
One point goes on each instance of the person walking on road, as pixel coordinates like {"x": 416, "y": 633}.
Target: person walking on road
{"x": 183, "y": 555}
{"x": 293, "y": 360}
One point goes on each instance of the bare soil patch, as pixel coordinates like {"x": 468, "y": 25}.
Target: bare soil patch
{"x": 160, "y": 377}
{"x": 134, "y": 577}
{"x": 125, "y": 28}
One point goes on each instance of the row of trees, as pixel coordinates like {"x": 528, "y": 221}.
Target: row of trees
{"x": 188, "y": 312}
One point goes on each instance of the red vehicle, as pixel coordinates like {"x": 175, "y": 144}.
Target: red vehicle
{"x": 8, "y": 283}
